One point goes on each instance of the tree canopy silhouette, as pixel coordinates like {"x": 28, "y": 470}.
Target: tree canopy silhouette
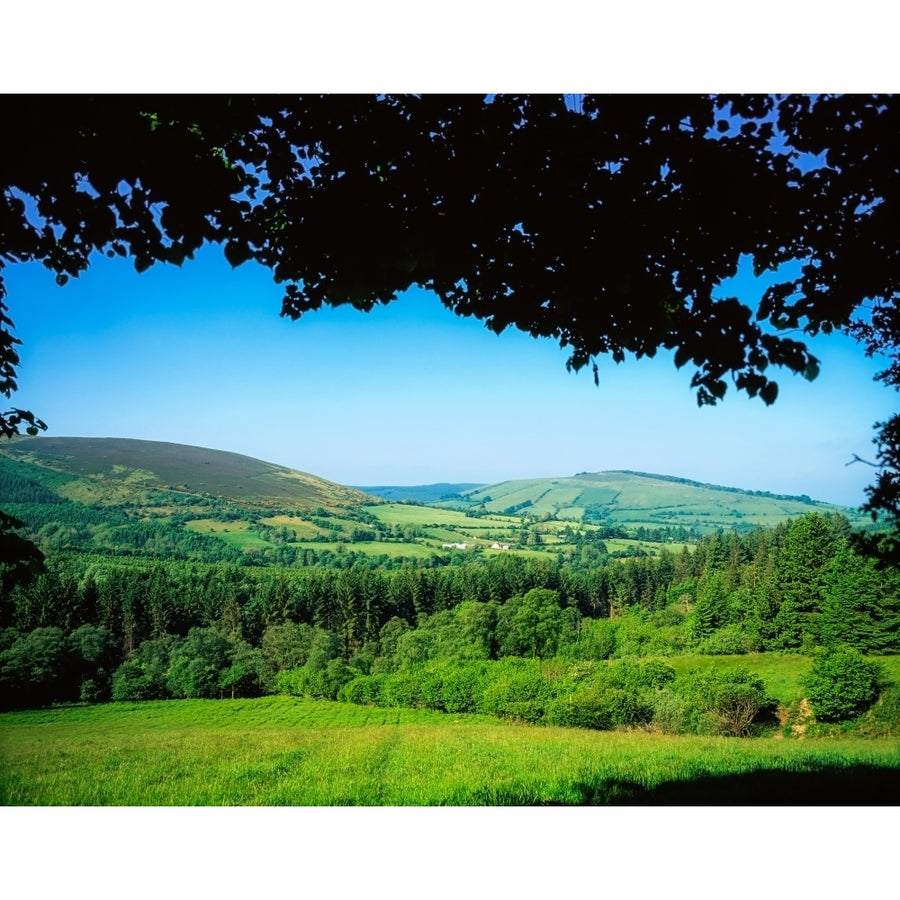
{"x": 608, "y": 224}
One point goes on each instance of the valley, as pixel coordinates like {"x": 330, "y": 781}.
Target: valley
{"x": 159, "y": 499}
{"x": 195, "y": 596}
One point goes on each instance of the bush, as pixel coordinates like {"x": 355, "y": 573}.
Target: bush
{"x": 143, "y": 675}
{"x": 578, "y": 711}
{"x": 633, "y": 636}
{"x": 652, "y": 673}
{"x": 604, "y": 710}
{"x": 324, "y": 684}
{"x": 626, "y": 708}
{"x": 292, "y": 681}
{"x": 196, "y": 665}
{"x": 668, "y": 712}
{"x": 730, "y": 641}
{"x": 364, "y": 690}
{"x": 596, "y": 639}
{"x": 727, "y": 703}
{"x": 402, "y": 689}
{"x": 37, "y": 669}
{"x": 516, "y": 689}
{"x": 454, "y": 687}
{"x": 130, "y": 682}
{"x": 95, "y": 654}
{"x": 669, "y": 640}
{"x": 841, "y": 684}
{"x": 883, "y": 717}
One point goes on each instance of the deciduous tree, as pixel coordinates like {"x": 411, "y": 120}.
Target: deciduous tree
{"x": 609, "y": 228}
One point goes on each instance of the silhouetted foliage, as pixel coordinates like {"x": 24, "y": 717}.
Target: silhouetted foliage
{"x": 608, "y": 228}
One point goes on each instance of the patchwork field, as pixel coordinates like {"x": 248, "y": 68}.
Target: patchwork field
{"x": 115, "y": 495}
{"x": 373, "y": 548}
{"x": 635, "y": 499}
{"x": 407, "y": 514}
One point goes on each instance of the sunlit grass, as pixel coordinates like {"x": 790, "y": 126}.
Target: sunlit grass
{"x": 281, "y": 751}
{"x": 373, "y": 548}
{"x": 782, "y": 673}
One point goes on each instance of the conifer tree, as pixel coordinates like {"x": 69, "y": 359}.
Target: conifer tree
{"x": 804, "y": 561}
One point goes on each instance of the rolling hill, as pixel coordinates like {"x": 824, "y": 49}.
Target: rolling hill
{"x": 639, "y": 499}
{"x": 103, "y": 469}
{"x": 161, "y": 500}
{"x": 147, "y": 498}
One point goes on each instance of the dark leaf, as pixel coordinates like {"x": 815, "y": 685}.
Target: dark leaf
{"x": 237, "y": 252}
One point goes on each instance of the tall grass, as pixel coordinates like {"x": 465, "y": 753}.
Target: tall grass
{"x": 282, "y": 751}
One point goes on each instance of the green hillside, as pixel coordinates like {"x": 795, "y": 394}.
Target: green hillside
{"x": 636, "y": 499}
{"x": 104, "y": 469}
{"x": 163, "y": 500}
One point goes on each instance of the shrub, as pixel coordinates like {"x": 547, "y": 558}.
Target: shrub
{"x": 596, "y": 639}
{"x": 95, "y": 653}
{"x": 292, "y": 681}
{"x": 883, "y": 717}
{"x": 653, "y": 673}
{"x": 463, "y": 687}
{"x": 364, "y": 690}
{"x": 633, "y": 636}
{"x": 578, "y": 711}
{"x": 516, "y": 689}
{"x": 130, "y": 682}
{"x": 35, "y": 670}
{"x": 611, "y": 708}
{"x": 626, "y": 707}
{"x": 669, "y": 640}
{"x": 196, "y": 664}
{"x": 668, "y": 712}
{"x": 324, "y": 684}
{"x": 729, "y": 641}
{"x": 143, "y": 676}
{"x": 841, "y": 684}
{"x": 728, "y": 703}
{"x": 402, "y": 689}
{"x": 736, "y": 707}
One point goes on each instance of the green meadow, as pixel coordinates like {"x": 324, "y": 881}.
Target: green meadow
{"x": 373, "y": 548}
{"x": 434, "y": 516}
{"x": 282, "y": 751}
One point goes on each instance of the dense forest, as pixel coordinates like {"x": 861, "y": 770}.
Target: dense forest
{"x": 509, "y": 635}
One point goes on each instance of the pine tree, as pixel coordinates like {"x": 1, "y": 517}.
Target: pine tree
{"x": 860, "y": 606}
{"x": 804, "y": 561}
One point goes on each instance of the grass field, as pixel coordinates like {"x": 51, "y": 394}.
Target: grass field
{"x": 373, "y": 548}
{"x": 281, "y": 751}
{"x": 404, "y": 514}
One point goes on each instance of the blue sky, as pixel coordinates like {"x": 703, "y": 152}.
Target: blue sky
{"x": 409, "y": 393}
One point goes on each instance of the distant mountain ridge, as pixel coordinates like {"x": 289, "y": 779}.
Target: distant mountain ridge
{"x": 420, "y": 493}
